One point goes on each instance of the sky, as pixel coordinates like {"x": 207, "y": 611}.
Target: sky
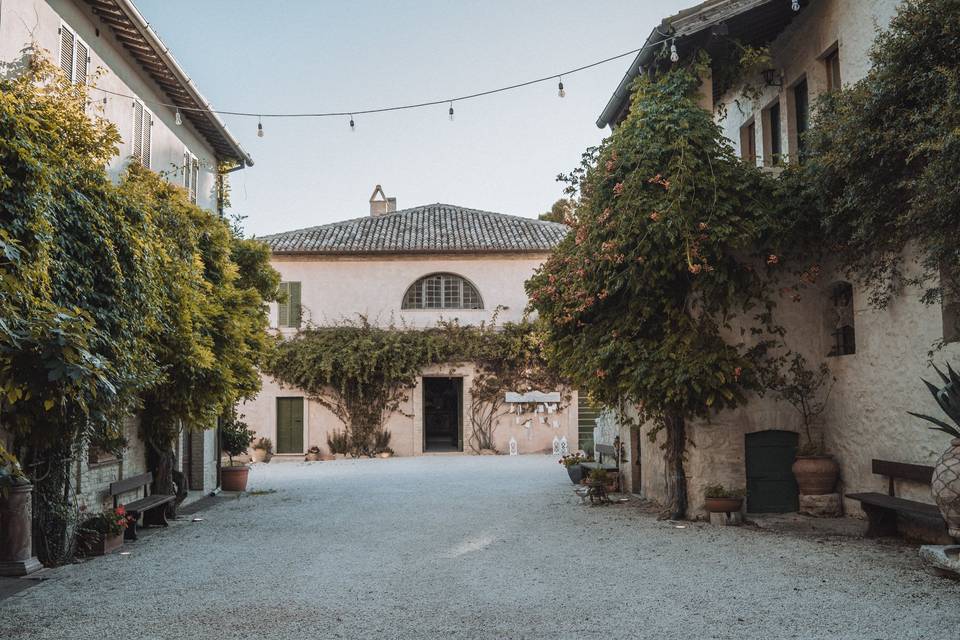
{"x": 501, "y": 153}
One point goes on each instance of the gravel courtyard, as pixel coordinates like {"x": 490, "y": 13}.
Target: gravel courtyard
{"x": 475, "y": 547}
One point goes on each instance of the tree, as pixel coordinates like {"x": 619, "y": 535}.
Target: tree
{"x": 638, "y": 300}
{"x": 560, "y": 212}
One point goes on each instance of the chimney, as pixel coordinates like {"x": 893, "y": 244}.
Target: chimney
{"x": 382, "y": 204}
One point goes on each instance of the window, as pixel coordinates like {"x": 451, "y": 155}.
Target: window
{"x": 832, "y": 64}
{"x": 748, "y": 143}
{"x": 74, "y": 56}
{"x": 191, "y": 174}
{"x": 142, "y": 124}
{"x": 442, "y": 291}
{"x": 801, "y": 114}
{"x": 840, "y": 320}
{"x": 773, "y": 148}
{"x": 290, "y": 310}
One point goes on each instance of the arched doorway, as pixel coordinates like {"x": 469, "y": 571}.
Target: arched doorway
{"x": 771, "y": 487}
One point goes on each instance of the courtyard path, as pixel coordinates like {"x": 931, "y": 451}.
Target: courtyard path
{"x": 475, "y": 547}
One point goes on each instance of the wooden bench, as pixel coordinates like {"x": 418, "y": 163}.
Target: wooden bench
{"x": 605, "y": 451}
{"x": 152, "y": 507}
{"x": 883, "y": 510}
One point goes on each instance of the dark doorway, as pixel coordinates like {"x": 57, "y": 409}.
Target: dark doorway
{"x": 771, "y": 487}
{"x": 443, "y": 414}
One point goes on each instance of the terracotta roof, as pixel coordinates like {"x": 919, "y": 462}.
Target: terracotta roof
{"x": 432, "y": 228}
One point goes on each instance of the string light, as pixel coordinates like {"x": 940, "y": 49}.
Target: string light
{"x": 560, "y": 90}
{"x": 259, "y": 128}
{"x": 177, "y": 118}
{"x": 404, "y": 107}
{"x": 353, "y": 125}
{"x": 451, "y": 111}
{"x": 674, "y": 56}
{"x": 795, "y": 5}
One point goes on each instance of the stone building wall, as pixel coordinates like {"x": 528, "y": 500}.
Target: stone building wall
{"x": 92, "y": 479}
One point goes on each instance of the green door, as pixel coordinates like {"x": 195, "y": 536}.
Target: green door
{"x": 289, "y": 425}
{"x": 771, "y": 487}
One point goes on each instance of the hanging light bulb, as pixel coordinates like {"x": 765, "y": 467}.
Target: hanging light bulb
{"x": 450, "y": 112}
{"x": 177, "y": 118}
{"x": 674, "y": 56}
{"x": 560, "y": 90}
{"x": 795, "y": 5}
{"x": 259, "y": 128}
{"x": 353, "y": 125}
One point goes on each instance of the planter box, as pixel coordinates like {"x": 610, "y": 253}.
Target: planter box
{"x": 106, "y": 544}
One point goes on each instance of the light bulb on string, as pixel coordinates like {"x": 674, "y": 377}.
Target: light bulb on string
{"x": 177, "y": 118}
{"x": 450, "y": 112}
{"x": 259, "y": 128}
{"x": 560, "y": 90}
{"x": 795, "y": 5}
{"x": 674, "y": 56}
{"x": 353, "y": 125}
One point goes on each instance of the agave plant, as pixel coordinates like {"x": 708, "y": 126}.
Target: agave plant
{"x": 949, "y": 400}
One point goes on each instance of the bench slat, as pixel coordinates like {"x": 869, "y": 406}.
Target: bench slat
{"x": 897, "y": 504}
{"x": 915, "y": 472}
{"x": 143, "y": 504}
{"x": 597, "y": 465}
{"x": 131, "y": 483}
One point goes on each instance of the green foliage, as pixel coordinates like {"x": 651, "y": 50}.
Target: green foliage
{"x": 885, "y": 153}
{"x": 264, "y": 444}
{"x": 561, "y": 211}
{"x": 719, "y": 491}
{"x": 363, "y": 373}
{"x": 235, "y": 435}
{"x": 806, "y": 390}
{"x": 949, "y": 400}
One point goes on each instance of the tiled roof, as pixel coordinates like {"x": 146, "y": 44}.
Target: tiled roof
{"x": 440, "y": 228}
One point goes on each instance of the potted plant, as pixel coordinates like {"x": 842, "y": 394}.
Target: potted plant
{"x": 945, "y": 484}
{"x": 381, "y": 444}
{"x": 103, "y": 533}
{"x": 313, "y": 454}
{"x": 262, "y": 450}
{"x": 572, "y": 462}
{"x": 719, "y": 499}
{"x": 235, "y": 439}
{"x": 339, "y": 444}
{"x": 807, "y": 391}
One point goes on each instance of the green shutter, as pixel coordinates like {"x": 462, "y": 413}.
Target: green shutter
{"x": 294, "y": 305}
{"x": 284, "y": 305}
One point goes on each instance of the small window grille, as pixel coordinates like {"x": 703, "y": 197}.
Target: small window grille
{"x": 841, "y": 320}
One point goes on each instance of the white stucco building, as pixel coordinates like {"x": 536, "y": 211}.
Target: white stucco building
{"x": 141, "y": 89}
{"x": 410, "y": 267}
{"x": 878, "y": 356}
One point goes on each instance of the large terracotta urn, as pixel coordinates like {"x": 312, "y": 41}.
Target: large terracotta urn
{"x": 16, "y": 552}
{"x": 816, "y": 475}
{"x": 946, "y": 486}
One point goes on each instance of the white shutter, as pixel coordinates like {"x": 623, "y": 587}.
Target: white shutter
{"x": 146, "y": 144}
{"x": 137, "y": 130}
{"x": 194, "y": 179}
{"x": 186, "y": 171}
{"x": 66, "y": 52}
{"x": 80, "y": 66}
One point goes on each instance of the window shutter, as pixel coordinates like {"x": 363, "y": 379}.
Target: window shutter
{"x": 66, "y": 52}
{"x": 145, "y": 145}
{"x": 80, "y": 74}
{"x": 284, "y": 307}
{"x": 137, "y": 130}
{"x": 295, "y": 304}
{"x": 186, "y": 171}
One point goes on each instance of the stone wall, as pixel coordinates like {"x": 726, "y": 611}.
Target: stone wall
{"x": 92, "y": 479}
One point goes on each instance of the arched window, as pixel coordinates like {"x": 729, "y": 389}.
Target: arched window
{"x": 839, "y": 320}
{"x": 442, "y": 291}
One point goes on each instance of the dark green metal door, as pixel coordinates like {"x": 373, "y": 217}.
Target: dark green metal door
{"x": 289, "y": 425}
{"x": 771, "y": 487}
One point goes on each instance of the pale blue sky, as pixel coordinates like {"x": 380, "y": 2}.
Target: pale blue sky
{"x": 502, "y": 153}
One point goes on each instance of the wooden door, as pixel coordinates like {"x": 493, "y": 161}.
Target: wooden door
{"x": 771, "y": 487}
{"x": 289, "y": 425}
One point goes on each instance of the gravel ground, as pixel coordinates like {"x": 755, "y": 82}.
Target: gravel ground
{"x": 476, "y": 547}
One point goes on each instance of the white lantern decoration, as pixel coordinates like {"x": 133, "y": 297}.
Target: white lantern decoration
{"x": 564, "y": 446}
{"x": 556, "y": 446}
{"x": 513, "y": 446}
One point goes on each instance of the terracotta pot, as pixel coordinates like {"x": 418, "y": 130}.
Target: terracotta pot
{"x": 234, "y": 478}
{"x": 107, "y": 544}
{"x": 816, "y": 475}
{"x": 723, "y": 505}
{"x": 312, "y": 457}
{"x": 945, "y": 486}
{"x": 258, "y": 455}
